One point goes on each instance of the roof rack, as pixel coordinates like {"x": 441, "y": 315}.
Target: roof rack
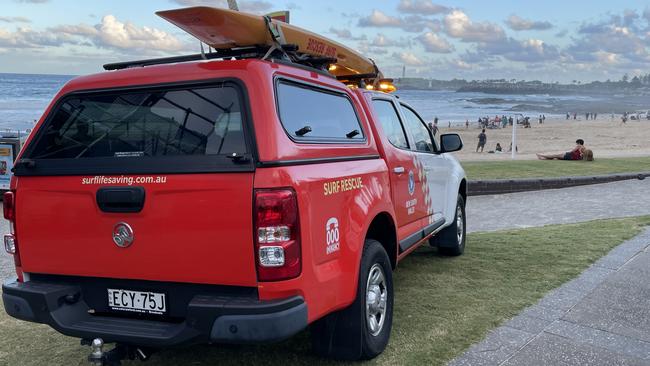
{"x": 244, "y": 52}
{"x": 287, "y": 53}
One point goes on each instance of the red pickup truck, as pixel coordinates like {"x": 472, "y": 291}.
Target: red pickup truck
{"x": 227, "y": 201}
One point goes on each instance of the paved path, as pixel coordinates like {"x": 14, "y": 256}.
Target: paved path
{"x": 600, "y": 318}
{"x": 558, "y": 206}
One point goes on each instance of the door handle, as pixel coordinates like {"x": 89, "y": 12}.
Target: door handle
{"x": 120, "y": 199}
{"x": 398, "y": 170}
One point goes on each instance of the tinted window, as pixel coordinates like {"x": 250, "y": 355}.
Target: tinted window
{"x": 314, "y": 114}
{"x": 390, "y": 123}
{"x": 192, "y": 121}
{"x": 418, "y": 130}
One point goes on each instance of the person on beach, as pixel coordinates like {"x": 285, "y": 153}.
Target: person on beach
{"x": 482, "y": 139}
{"x": 575, "y": 154}
{"x": 466, "y": 124}
{"x": 568, "y": 116}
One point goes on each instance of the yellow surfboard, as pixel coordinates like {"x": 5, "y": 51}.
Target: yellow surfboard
{"x": 224, "y": 29}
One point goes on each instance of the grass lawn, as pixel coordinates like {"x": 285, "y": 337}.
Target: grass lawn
{"x": 442, "y": 305}
{"x": 552, "y": 168}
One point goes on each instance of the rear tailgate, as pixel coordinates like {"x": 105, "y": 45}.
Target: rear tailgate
{"x": 192, "y": 228}
{"x": 169, "y": 169}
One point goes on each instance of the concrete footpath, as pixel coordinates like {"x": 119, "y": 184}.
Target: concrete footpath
{"x": 558, "y": 206}
{"x": 600, "y": 318}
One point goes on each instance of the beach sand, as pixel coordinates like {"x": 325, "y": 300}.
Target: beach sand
{"x": 606, "y": 137}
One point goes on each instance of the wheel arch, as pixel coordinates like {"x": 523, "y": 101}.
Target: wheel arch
{"x": 382, "y": 228}
{"x": 462, "y": 189}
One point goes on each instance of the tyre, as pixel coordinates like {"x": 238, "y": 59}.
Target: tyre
{"x": 360, "y": 331}
{"x": 451, "y": 240}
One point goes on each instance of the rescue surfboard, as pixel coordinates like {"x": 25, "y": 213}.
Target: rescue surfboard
{"x": 225, "y": 29}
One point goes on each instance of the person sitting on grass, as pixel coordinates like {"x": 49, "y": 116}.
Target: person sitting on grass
{"x": 575, "y": 154}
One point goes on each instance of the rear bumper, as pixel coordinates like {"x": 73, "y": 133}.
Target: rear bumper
{"x": 208, "y": 318}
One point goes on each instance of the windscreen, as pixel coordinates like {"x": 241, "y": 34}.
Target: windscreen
{"x": 154, "y": 123}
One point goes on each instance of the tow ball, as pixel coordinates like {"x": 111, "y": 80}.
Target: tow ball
{"x": 115, "y": 356}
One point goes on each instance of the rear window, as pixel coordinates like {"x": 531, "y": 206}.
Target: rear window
{"x": 312, "y": 115}
{"x": 196, "y": 121}
{"x": 191, "y": 128}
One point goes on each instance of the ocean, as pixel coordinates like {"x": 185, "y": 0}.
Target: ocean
{"x": 24, "y": 97}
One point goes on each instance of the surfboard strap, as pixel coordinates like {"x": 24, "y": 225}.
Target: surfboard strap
{"x": 276, "y": 37}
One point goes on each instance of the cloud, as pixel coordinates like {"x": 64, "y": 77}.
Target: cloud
{"x": 530, "y": 50}
{"x": 458, "y": 25}
{"x": 379, "y": 19}
{"x": 14, "y": 19}
{"x": 460, "y": 64}
{"x": 411, "y": 23}
{"x": 518, "y": 23}
{"x": 345, "y": 33}
{"x": 382, "y": 41}
{"x": 562, "y": 33}
{"x": 27, "y": 38}
{"x": 435, "y": 44}
{"x": 421, "y": 7}
{"x": 250, "y": 6}
{"x": 408, "y": 58}
{"x": 623, "y": 35}
{"x": 110, "y": 34}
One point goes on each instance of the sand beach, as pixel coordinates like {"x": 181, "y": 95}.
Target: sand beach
{"x": 606, "y": 137}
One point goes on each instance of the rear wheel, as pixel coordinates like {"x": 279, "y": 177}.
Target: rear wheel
{"x": 451, "y": 240}
{"x": 362, "y": 330}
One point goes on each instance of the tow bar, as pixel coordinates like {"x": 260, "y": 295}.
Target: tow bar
{"x": 115, "y": 356}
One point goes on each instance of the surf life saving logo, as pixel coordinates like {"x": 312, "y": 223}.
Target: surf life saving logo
{"x": 411, "y": 182}
{"x": 332, "y": 235}
{"x": 422, "y": 175}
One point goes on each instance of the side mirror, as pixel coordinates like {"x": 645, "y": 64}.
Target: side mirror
{"x": 450, "y": 142}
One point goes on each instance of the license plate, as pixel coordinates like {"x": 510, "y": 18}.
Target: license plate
{"x": 137, "y": 301}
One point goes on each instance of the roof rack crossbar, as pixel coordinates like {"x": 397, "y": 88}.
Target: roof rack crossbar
{"x": 245, "y": 52}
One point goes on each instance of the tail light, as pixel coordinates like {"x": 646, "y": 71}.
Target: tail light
{"x": 277, "y": 235}
{"x": 9, "y": 210}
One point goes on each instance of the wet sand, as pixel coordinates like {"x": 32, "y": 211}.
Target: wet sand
{"x": 606, "y": 137}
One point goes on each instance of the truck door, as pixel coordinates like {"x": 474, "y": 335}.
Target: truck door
{"x": 403, "y": 172}
{"x": 435, "y": 168}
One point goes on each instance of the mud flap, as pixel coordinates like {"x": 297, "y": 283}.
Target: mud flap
{"x": 339, "y": 335}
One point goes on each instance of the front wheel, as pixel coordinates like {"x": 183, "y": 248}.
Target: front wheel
{"x": 362, "y": 330}
{"x": 451, "y": 240}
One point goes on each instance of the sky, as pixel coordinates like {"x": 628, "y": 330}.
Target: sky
{"x": 548, "y": 40}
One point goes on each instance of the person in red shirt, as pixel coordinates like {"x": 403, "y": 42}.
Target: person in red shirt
{"x": 575, "y": 154}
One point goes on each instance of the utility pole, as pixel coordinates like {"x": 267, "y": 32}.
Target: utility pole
{"x": 232, "y": 5}
{"x": 514, "y": 140}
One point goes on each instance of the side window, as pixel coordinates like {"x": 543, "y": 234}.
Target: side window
{"x": 385, "y": 111}
{"x": 314, "y": 114}
{"x": 419, "y": 131}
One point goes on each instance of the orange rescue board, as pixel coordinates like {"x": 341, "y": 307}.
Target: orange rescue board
{"x": 223, "y": 28}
